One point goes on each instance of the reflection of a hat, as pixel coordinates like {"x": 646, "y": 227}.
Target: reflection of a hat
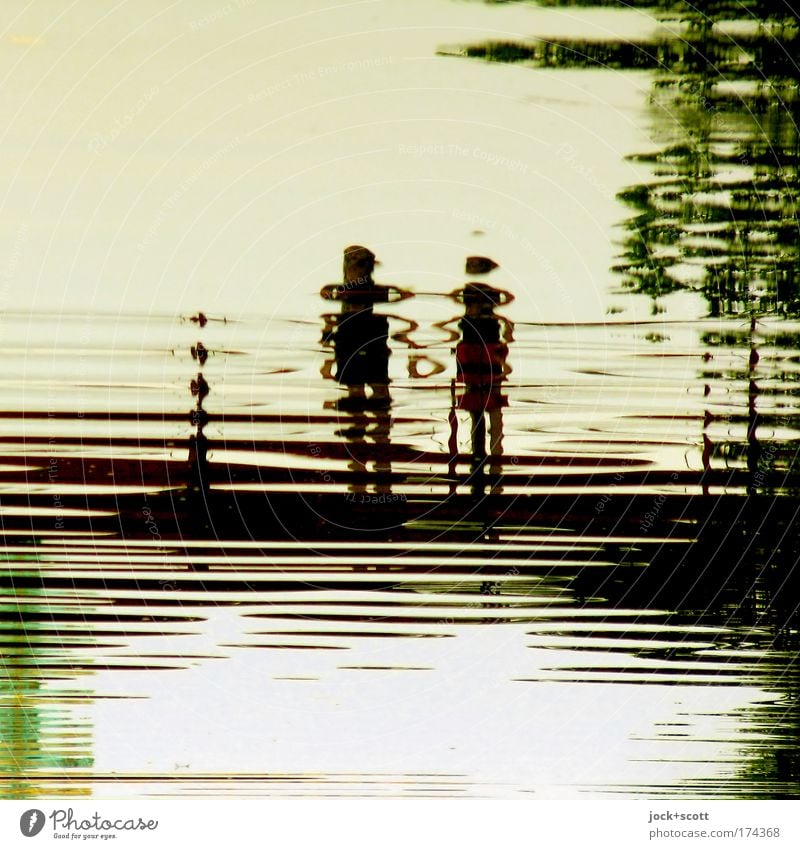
{"x": 480, "y": 265}
{"x": 359, "y": 263}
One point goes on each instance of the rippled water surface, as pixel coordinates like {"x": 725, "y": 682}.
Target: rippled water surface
{"x": 231, "y": 569}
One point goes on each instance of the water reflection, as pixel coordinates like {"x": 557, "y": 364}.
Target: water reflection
{"x": 719, "y": 214}
{"x": 41, "y": 740}
{"x": 481, "y": 369}
{"x": 358, "y": 337}
{"x": 604, "y": 576}
{"x": 609, "y": 524}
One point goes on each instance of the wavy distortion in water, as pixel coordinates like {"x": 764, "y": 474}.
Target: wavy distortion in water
{"x": 380, "y": 560}
{"x": 474, "y": 557}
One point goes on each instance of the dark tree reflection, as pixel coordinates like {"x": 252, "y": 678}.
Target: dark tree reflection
{"x": 719, "y": 214}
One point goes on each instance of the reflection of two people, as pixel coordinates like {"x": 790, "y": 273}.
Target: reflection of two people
{"x": 481, "y": 369}
{"x": 360, "y": 340}
{"x": 359, "y": 337}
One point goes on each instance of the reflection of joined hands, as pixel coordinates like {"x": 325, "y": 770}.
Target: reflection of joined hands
{"x": 374, "y": 294}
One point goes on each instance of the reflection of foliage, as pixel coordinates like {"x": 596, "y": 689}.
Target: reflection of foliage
{"x": 698, "y": 9}
{"x": 720, "y": 213}
{"x": 723, "y": 216}
{"x": 570, "y": 53}
{"x": 765, "y": 50}
{"x": 737, "y": 243}
{"x": 643, "y": 267}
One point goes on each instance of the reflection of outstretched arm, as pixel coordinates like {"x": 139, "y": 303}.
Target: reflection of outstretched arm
{"x": 400, "y": 294}
{"x": 373, "y": 294}
{"x": 482, "y": 292}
